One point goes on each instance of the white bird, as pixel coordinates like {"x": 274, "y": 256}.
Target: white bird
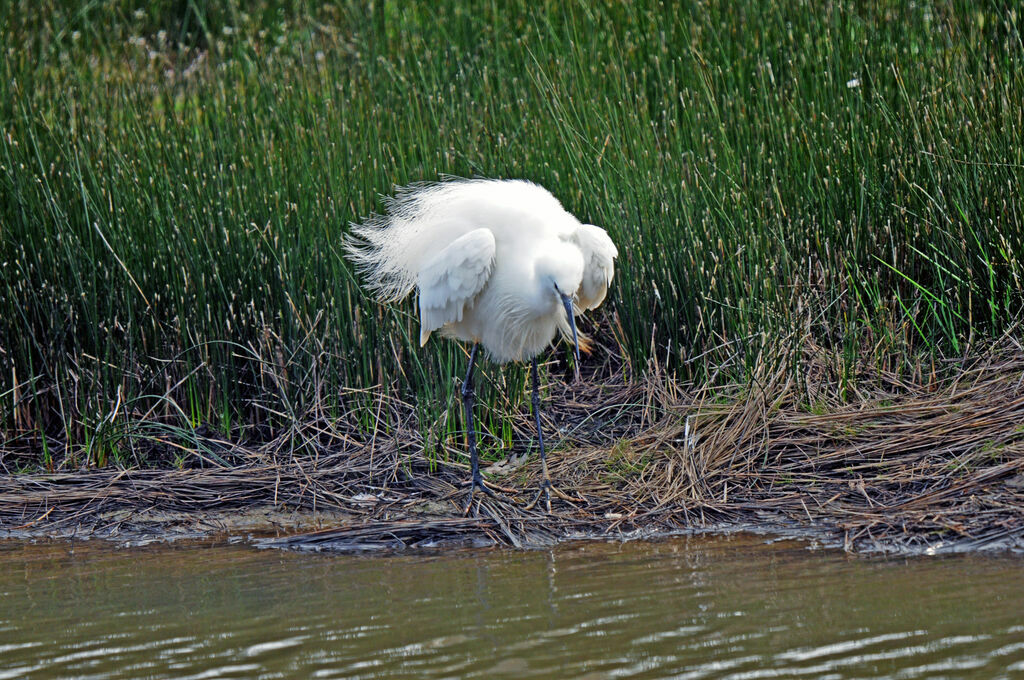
{"x": 498, "y": 263}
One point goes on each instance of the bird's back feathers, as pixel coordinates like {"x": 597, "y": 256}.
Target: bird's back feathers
{"x": 459, "y": 241}
{"x": 452, "y": 278}
{"x": 422, "y": 219}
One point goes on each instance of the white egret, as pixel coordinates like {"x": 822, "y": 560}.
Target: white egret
{"x": 497, "y": 263}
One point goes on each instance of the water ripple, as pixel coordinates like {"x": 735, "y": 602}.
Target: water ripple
{"x": 699, "y": 608}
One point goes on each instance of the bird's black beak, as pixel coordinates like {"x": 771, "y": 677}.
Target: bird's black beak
{"x": 567, "y": 301}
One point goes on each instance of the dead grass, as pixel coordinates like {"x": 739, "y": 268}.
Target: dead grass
{"x": 929, "y": 464}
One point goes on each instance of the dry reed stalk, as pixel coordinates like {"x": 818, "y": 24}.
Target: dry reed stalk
{"x": 906, "y": 467}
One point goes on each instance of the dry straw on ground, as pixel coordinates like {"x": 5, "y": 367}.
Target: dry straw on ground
{"x": 931, "y": 465}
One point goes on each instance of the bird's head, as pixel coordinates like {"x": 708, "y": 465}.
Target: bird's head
{"x": 559, "y": 272}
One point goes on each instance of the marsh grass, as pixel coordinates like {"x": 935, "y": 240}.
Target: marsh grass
{"x": 175, "y": 182}
{"x": 910, "y": 468}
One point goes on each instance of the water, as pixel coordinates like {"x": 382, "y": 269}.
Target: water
{"x": 700, "y": 607}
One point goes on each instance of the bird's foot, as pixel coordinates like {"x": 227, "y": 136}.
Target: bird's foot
{"x": 546, "y": 489}
{"x": 478, "y": 482}
{"x": 487, "y": 486}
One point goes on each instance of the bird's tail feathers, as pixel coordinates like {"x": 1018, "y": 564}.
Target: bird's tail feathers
{"x": 375, "y": 249}
{"x": 387, "y": 249}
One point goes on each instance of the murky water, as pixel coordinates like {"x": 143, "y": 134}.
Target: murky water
{"x": 699, "y": 607}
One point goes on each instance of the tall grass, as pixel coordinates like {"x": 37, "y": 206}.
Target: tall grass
{"x": 174, "y": 182}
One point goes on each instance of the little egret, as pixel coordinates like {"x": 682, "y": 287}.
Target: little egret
{"x": 497, "y": 263}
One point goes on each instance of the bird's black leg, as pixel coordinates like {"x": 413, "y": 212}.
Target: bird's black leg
{"x": 468, "y": 400}
{"x": 545, "y": 484}
{"x": 546, "y": 487}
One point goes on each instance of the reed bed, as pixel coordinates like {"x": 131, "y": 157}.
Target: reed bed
{"x": 819, "y": 221}
{"x": 176, "y": 176}
{"x": 935, "y": 466}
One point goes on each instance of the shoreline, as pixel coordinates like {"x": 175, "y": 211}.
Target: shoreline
{"x": 422, "y": 531}
{"x": 927, "y": 468}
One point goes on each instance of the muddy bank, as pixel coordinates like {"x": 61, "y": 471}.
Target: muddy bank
{"x": 933, "y": 466}
{"x": 414, "y": 522}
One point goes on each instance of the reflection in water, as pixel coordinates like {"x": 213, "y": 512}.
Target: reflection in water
{"x": 698, "y": 607}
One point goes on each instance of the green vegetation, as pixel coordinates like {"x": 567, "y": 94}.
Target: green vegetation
{"x": 174, "y": 183}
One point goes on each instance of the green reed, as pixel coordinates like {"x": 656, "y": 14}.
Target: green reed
{"x": 174, "y": 182}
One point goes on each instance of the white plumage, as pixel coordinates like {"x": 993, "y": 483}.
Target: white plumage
{"x": 498, "y": 263}
{"x": 485, "y": 257}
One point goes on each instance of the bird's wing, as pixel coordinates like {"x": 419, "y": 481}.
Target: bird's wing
{"x": 452, "y": 278}
{"x": 599, "y": 255}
